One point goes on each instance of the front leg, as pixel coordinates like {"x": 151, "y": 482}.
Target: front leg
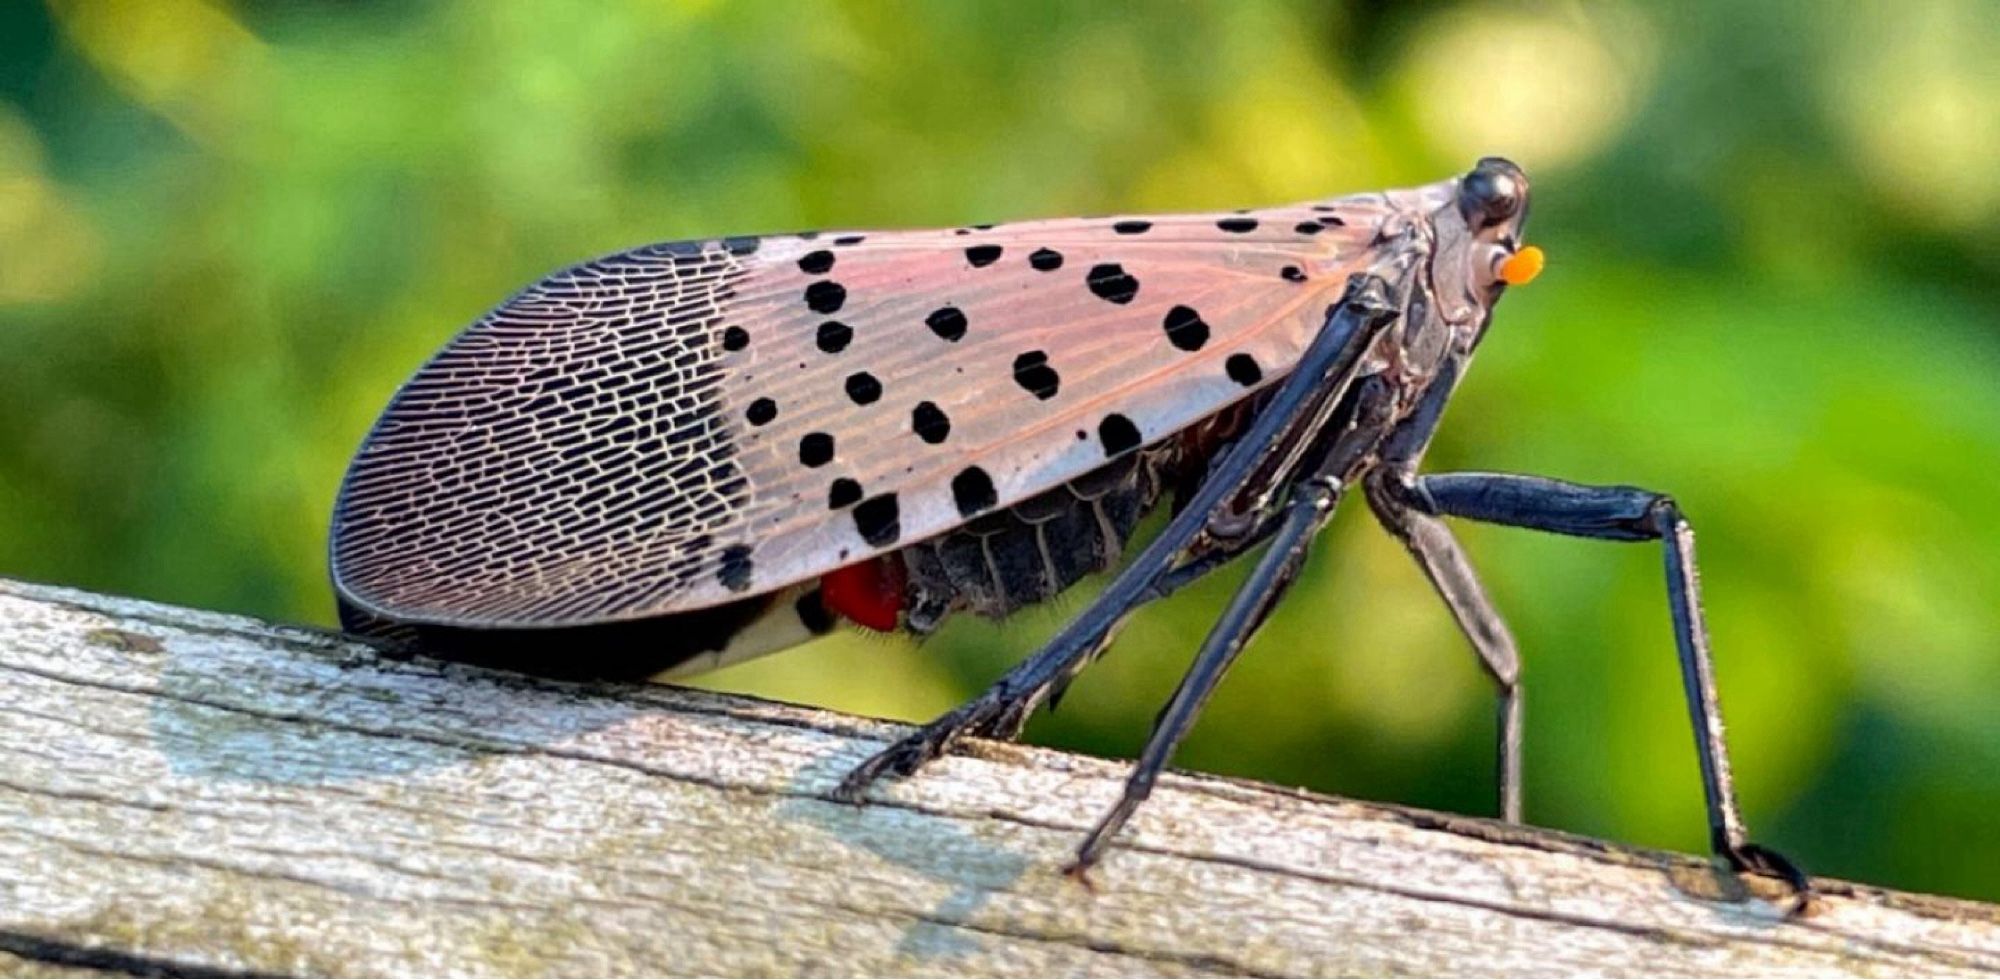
{"x": 1630, "y": 514}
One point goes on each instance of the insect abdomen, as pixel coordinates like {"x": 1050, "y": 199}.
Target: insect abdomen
{"x": 1035, "y": 549}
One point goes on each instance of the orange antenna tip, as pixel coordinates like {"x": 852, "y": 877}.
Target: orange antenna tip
{"x": 1522, "y": 267}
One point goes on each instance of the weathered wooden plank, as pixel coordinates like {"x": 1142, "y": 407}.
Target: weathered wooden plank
{"x": 184, "y": 791}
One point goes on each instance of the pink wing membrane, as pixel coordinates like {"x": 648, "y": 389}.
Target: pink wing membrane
{"x": 675, "y": 427}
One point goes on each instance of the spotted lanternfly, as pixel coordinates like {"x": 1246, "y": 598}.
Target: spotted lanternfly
{"x": 687, "y": 454}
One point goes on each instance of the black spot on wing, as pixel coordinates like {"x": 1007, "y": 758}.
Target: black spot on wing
{"x": 1292, "y": 273}
{"x": 834, "y": 336}
{"x": 842, "y": 493}
{"x": 948, "y": 322}
{"x": 972, "y": 490}
{"x": 826, "y": 296}
{"x": 845, "y": 240}
{"x": 1132, "y": 227}
{"x": 879, "y": 520}
{"x": 761, "y": 411}
{"x": 863, "y": 388}
{"x": 1309, "y": 227}
{"x": 1243, "y": 369}
{"x": 1117, "y": 434}
{"x": 982, "y": 255}
{"x": 735, "y": 338}
{"x": 816, "y": 263}
{"x": 1110, "y": 282}
{"x": 736, "y": 568}
{"x": 930, "y": 423}
{"x": 1185, "y": 328}
{"x": 1237, "y": 226}
{"x": 816, "y": 449}
{"x": 1045, "y": 260}
{"x": 1033, "y": 373}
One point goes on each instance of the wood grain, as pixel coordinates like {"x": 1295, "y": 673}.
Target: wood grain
{"x": 183, "y": 792}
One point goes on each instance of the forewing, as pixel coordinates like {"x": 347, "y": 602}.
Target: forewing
{"x": 680, "y": 425}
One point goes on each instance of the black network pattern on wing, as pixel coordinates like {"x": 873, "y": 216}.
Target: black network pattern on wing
{"x": 563, "y": 460}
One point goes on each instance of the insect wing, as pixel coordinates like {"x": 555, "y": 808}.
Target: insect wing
{"x": 676, "y": 426}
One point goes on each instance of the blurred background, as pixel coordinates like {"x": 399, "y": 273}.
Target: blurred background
{"x": 229, "y": 230}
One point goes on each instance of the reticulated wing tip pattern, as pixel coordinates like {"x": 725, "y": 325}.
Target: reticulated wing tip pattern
{"x": 560, "y": 461}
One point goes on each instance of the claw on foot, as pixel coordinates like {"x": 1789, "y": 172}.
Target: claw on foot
{"x": 1005, "y": 726}
{"x": 902, "y": 758}
{"x": 1757, "y": 859}
{"x": 853, "y": 787}
{"x": 896, "y": 761}
{"x": 1079, "y": 872}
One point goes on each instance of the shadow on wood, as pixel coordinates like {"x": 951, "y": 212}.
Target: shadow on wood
{"x": 184, "y": 792}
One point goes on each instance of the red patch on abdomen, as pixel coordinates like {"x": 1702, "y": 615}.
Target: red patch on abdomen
{"x": 869, "y": 594}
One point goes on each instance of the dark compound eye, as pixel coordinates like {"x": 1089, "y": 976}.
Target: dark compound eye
{"x": 1492, "y": 193}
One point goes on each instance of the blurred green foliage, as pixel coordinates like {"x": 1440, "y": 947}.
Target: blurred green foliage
{"x": 228, "y": 231}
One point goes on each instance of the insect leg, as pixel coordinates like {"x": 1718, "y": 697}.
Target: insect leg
{"x": 1311, "y": 504}
{"x": 1630, "y": 514}
{"x": 1320, "y": 379}
{"x": 1253, "y": 601}
{"x": 1438, "y": 553}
